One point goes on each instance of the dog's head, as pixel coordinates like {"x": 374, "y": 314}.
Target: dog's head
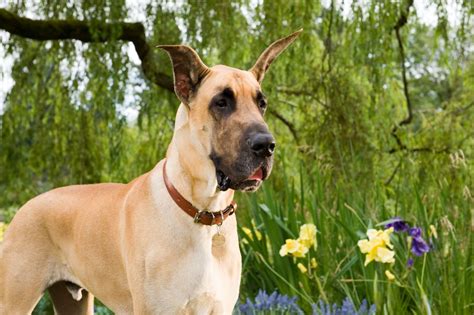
{"x": 225, "y": 109}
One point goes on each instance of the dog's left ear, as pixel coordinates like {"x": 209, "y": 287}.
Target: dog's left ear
{"x": 267, "y": 57}
{"x": 188, "y": 70}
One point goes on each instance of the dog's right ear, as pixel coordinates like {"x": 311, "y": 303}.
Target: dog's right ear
{"x": 267, "y": 57}
{"x": 188, "y": 70}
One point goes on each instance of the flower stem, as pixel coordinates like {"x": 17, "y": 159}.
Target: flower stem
{"x": 320, "y": 287}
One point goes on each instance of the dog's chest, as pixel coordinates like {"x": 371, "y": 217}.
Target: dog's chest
{"x": 197, "y": 278}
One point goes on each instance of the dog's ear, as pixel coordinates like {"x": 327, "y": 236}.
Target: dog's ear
{"x": 188, "y": 70}
{"x": 267, "y": 57}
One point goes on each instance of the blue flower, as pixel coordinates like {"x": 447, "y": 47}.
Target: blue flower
{"x": 418, "y": 244}
{"x": 273, "y": 302}
{"x": 347, "y": 308}
{"x": 247, "y": 307}
{"x": 276, "y": 303}
{"x": 398, "y": 224}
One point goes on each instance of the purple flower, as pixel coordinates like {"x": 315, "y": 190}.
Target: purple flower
{"x": 246, "y": 308}
{"x": 398, "y": 224}
{"x": 347, "y": 308}
{"x": 410, "y": 262}
{"x": 273, "y": 302}
{"x": 418, "y": 244}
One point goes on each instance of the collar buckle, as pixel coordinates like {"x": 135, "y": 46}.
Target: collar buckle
{"x": 230, "y": 208}
{"x": 197, "y": 216}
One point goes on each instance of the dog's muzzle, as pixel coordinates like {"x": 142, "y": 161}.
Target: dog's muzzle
{"x": 252, "y": 166}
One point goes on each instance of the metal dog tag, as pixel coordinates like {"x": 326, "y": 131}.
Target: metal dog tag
{"x": 218, "y": 240}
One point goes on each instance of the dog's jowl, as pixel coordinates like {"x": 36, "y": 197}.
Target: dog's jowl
{"x": 165, "y": 243}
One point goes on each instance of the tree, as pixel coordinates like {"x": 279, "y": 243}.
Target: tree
{"x": 339, "y": 69}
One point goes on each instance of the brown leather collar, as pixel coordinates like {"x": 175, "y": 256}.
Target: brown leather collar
{"x": 204, "y": 216}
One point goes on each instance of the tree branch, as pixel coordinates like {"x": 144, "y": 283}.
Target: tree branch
{"x": 86, "y": 32}
{"x": 392, "y": 176}
{"x": 286, "y": 122}
{"x": 402, "y": 20}
{"x": 328, "y": 44}
{"x": 420, "y": 149}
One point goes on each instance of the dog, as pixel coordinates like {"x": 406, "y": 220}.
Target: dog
{"x": 165, "y": 243}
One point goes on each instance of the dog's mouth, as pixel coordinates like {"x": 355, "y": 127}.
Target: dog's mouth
{"x": 250, "y": 183}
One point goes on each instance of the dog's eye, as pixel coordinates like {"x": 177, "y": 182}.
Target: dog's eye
{"x": 221, "y": 103}
{"x": 262, "y": 104}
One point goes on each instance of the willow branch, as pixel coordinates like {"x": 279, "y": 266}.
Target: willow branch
{"x": 286, "y": 122}
{"x": 328, "y": 44}
{"x": 421, "y": 149}
{"x": 402, "y": 20}
{"x": 394, "y": 172}
{"x": 89, "y": 32}
{"x": 94, "y": 32}
{"x": 400, "y": 23}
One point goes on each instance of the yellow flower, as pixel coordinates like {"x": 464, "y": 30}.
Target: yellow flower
{"x": 294, "y": 248}
{"x": 300, "y": 246}
{"x": 289, "y": 245}
{"x": 302, "y": 268}
{"x": 307, "y": 234}
{"x": 383, "y": 235}
{"x": 389, "y": 275}
{"x": 376, "y": 246}
{"x": 256, "y": 231}
{"x": 433, "y": 231}
{"x": 314, "y": 264}
{"x": 250, "y": 233}
{"x": 3, "y": 229}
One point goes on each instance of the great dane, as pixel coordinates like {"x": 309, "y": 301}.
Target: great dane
{"x": 165, "y": 243}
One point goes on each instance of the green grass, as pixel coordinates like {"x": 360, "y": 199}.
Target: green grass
{"x": 440, "y": 282}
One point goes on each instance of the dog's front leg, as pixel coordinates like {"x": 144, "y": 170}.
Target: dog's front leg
{"x": 152, "y": 282}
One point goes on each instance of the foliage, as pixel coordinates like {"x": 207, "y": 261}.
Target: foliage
{"x": 337, "y": 99}
{"x": 342, "y": 219}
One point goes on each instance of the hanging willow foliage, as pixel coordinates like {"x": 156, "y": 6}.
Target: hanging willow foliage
{"x": 338, "y": 97}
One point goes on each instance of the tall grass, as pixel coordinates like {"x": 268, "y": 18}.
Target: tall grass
{"x": 440, "y": 282}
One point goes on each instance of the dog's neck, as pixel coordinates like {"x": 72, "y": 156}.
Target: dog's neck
{"x": 191, "y": 171}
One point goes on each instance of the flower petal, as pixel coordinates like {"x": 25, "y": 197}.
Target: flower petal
{"x": 389, "y": 275}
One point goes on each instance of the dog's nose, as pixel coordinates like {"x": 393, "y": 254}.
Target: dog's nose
{"x": 262, "y": 144}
